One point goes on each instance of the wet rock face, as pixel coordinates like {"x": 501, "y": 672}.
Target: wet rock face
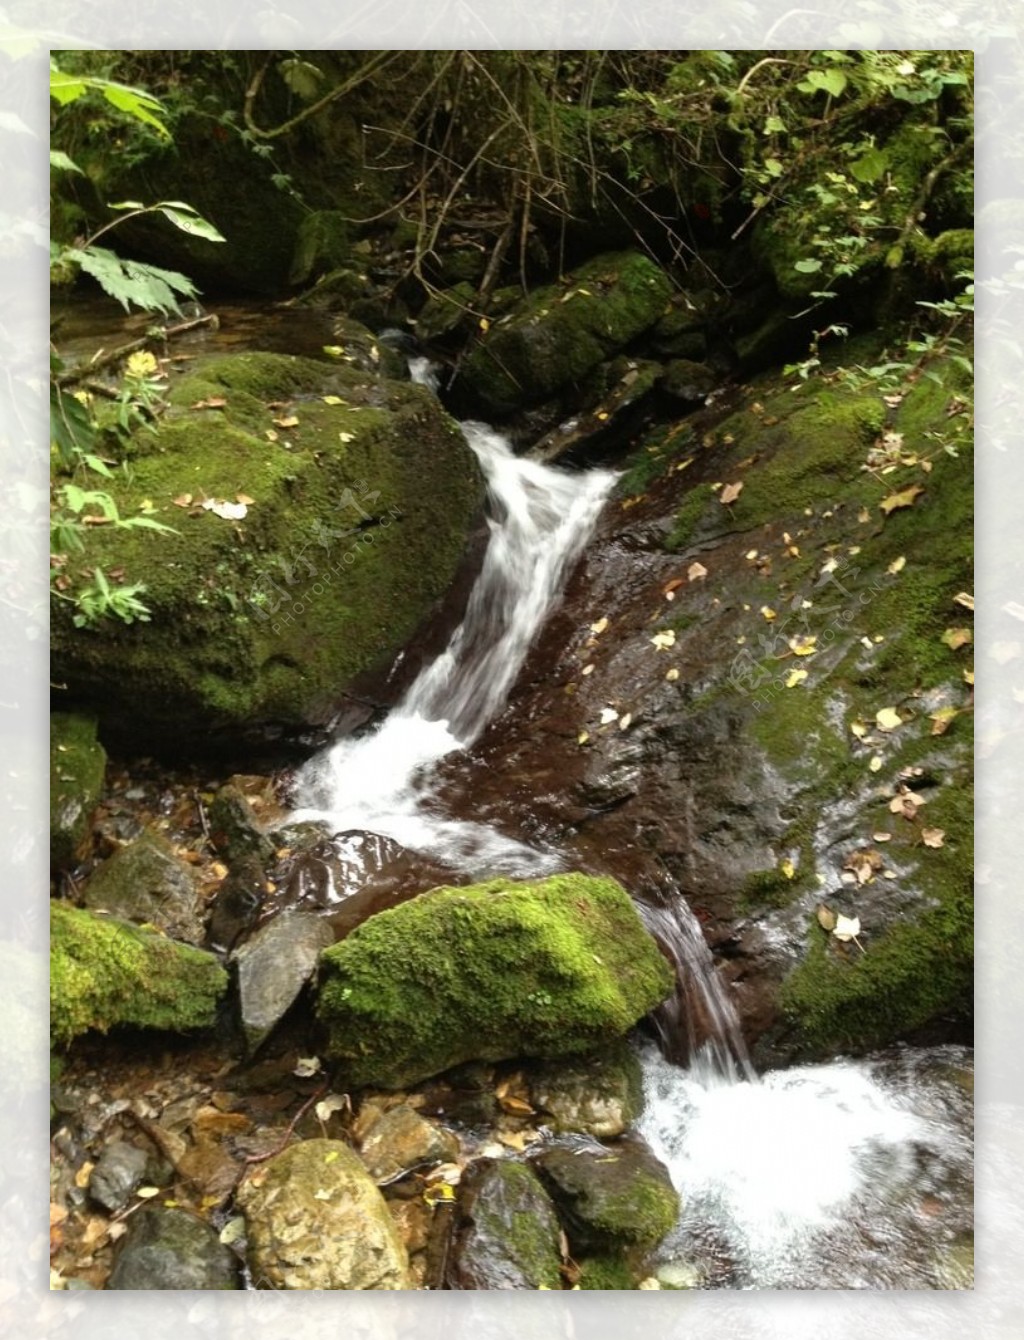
{"x": 173, "y": 1249}
{"x": 401, "y": 1140}
{"x": 672, "y": 748}
{"x": 315, "y": 1220}
{"x": 598, "y": 1095}
{"x": 507, "y": 1235}
{"x": 118, "y": 1172}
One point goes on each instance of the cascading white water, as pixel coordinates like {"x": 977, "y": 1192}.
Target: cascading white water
{"x": 541, "y": 519}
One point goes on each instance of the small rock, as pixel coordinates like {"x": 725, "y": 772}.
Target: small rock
{"x": 120, "y": 1170}
{"x": 274, "y": 966}
{"x": 598, "y": 1095}
{"x": 173, "y": 1249}
{"x": 610, "y": 1193}
{"x": 236, "y": 904}
{"x": 235, "y": 828}
{"x": 688, "y": 381}
{"x": 401, "y": 1140}
{"x": 315, "y": 1220}
{"x": 77, "y": 764}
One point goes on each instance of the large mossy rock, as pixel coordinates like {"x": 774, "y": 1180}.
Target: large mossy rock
{"x": 491, "y": 971}
{"x": 315, "y": 1220}
{"x": 77, "y": 765}
{"x": 558, "y": 334}
{"x": 361, "y": 499}
{"x": 105, "y": 972}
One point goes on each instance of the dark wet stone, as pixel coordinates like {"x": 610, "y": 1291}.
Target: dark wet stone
{"x": 273, "y": 967}
{"x": 688, "y": 381}
{"x": 609, "y": 1193}
{"x": 119, "y": 1170}
{"x": 236, "y": 905}
{"x": 235, "y": 829}
{"x": 146, "y": 882}
{"x": 507, "y": 1235}
{"x": 173, "y": 1249}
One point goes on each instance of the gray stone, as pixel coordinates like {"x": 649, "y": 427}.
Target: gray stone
{"x": 597, "y": 1095}
{"x": 317, "y": 1221}
{"x": 273, "y": 967}
{"x": 120, "y": 1169}
{"x": 173, "y": 1249}
{"x": 146, "y": 882}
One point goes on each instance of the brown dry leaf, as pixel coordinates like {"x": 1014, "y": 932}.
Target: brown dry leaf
{"x": 955, "y": 638}
{"x": 730, "y": 493}
{"x": 965, "y": 599}
{"x": 864, "y": 864}
{"x": 696, "y": 572}
{"x": 672, "y": 586}
{"x": 968, "y": 676}
{"x": 244, "y": 499}
{"x": 218, "y": 870}
{"x": 933, "y": 837}
{"x": 881, "y": 837}
{"x": 906, "y": 803}
{"x": 83, "y": 1174}
{"x": 941, "y": 719}
{"x": 826, "y": 917}
{"x": 183, "y": 500}
{"x": 212, "y": 402}
{"x": 516, "y": 1140}
{"x": 905, "y": 498}
{"x": 516, "y": 1107}
{"x": 287, "y": 421}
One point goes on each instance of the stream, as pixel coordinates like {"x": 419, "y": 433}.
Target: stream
{"x": 854, "y": 1174}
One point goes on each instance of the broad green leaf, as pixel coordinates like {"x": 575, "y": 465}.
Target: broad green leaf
{"x": 773, "y": 167}
{"x": 191, "y": 223}
{"x": 133, "y": 283}
{"x": 65, "y": 88}
{"x": 302, "y": 78}
{"x": 71, "y": 429}
{"x": 870, "y": 166}
{"x": 774, "y": 126}
{"x": 135, "y": 103}
{"x": 831, "y": 82}
{"x": 809, "y": 266}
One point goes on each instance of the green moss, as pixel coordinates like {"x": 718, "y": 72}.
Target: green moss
{"x": 105, "y": 972}
{"x": 554, "y": 339}
{"x": 621, "y": 1196}
{"x": 912, "y": 973}
{"x": 606, "y": 1272}
{"x": 340, "y": 555}
{"x": 491, "y": 971}
{"x": 77, "y": 766}
{"x": 692, "y": 510}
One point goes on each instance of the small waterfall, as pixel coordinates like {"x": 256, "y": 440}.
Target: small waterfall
{"x": 541, "y": 519}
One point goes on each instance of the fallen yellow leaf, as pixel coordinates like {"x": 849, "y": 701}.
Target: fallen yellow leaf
{"x": 955, "y": 638}
{"x": 897, "y": 565}
{"x": 768, "y": 612}
{"x": 795, "y": 677}
{"x": 933, "y": 837}
{"x": 887, "y": 718}
{"x": 730, "y": 493}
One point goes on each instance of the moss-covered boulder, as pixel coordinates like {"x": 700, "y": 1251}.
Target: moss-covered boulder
{"x": 359, "y": 494}
{"x": 491, "y": 971}
{"x": 610, "y": 1194}
{"x": 147, "y": 882}
{"x": 77, "y": 764}
{"x": 105, "y": 972}
{"x": 315, "y": 1220}
{"x": 559, "y": 333}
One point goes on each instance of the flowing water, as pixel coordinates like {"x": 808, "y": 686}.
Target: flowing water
{"x": 849, "y": 1175}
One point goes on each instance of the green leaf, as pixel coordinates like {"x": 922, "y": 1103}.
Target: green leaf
{"x": 831, "y": 82}
{"x": 65, "y": 88}
{"x": 809, "y": 266}
{"x": 60, "y": 162}
{"x": 99, "y": 465}
{"x": 146, "y": 523}
{"x": 302, "y": 78}
{"x": 71, "y": 429}
{"x": 870, "y": 166}
{"x": 773, "y": 167}
{"x": 135, "y": 103}
{"x": 133, "y": 283}
{"x": 190, "y": 223}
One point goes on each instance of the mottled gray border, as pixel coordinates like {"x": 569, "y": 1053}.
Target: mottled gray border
{"x": 995, "y": 1308}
